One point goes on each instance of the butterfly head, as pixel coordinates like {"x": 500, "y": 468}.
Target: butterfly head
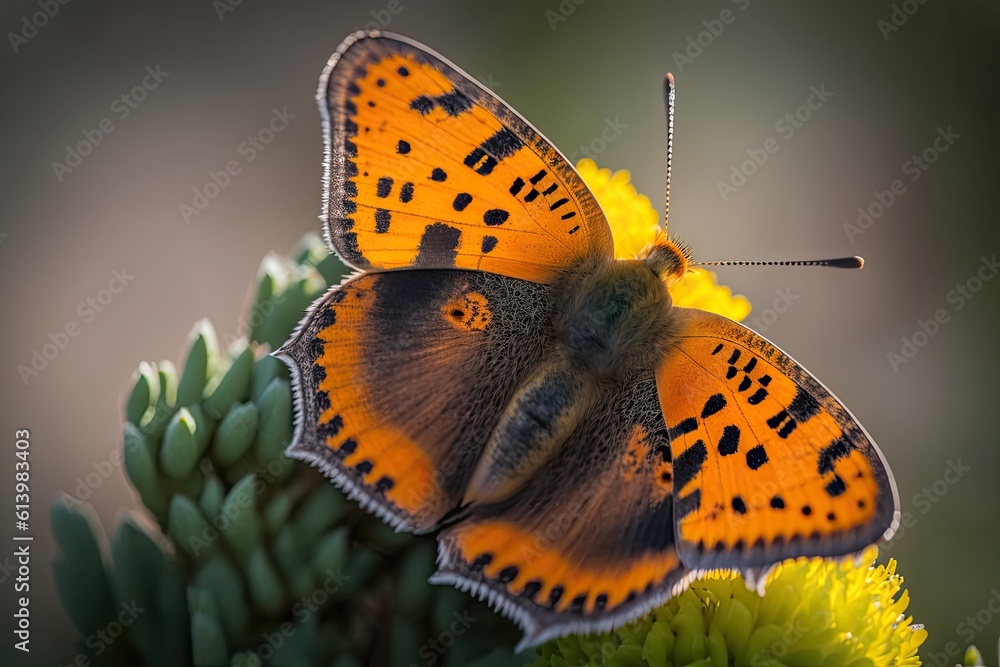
{"x": 668, "y": 258}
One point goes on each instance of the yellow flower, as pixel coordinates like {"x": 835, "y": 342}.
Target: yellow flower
{"x": 634, "y": 223}
{"x": 812, "y": 612}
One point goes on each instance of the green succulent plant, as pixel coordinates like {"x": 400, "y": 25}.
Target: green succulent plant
{"x": 243, "y": 556}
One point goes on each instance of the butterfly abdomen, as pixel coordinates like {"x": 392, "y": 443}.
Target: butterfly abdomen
{"x": 541, "y": 416}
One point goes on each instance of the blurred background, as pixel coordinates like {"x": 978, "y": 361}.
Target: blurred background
{"x": 855, "y": 96}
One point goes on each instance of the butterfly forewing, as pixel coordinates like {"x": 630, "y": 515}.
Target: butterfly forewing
{"x": 427, "y": 169}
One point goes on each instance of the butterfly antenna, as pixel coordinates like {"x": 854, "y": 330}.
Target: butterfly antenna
{"x": 669, "y": 96}
{"x": 837, "y": 263}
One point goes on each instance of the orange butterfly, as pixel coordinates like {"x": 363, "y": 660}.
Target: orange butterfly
{"x": 491, "y": 372}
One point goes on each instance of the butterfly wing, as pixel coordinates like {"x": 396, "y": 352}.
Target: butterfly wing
{"x": 768, "y": 464}
{"x": 588, "y": 542}
{"x": 401, "y": 377}
{"x": 426, "y": 168}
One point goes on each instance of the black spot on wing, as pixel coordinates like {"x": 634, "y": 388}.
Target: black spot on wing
{"x": 683, "y": 427}
{"x": 687, "y": 504}
{"x": 326, "y": 317}
{"x": 331, "y": 428}
{"x": 453, "y": 103}
{"x": 462, "y": 199}
{"x": 756, "y": 457}
{"x": 836, "y": 486}
{"x": 383, "y": 187}
{"x": 803, "y": 406}
{"x": 406, "y": 193}
{"x": 495, "y": 216}
{"x": 714, "y": 404}
{"x": 481, "y": 561}
{"x": 729, "y": 443}
{"x": 507, "y": 575}
{"x": 689, "y": 463}
{"x": 489, "y": 242}
{"x": 348, "y": 247}
{"x": 501, "y": 145}
{"x": 439, "y": 175}
{"x": 829, "y": 455}
{"x": 438, "y": 246}
{"x": 531, "y": 589}
{"x": 382, "y": 219}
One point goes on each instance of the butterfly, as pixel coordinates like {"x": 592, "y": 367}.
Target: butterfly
{"x": 582, "y": 447}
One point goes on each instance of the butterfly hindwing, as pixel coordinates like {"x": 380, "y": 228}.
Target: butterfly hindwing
{"x": 768, "y": 464}
{"x": 588, "y": 542}
{"x": 401, "y": 377}
{"x": 426, "y": 168}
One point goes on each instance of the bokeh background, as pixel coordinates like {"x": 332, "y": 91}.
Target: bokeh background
{"x": 588, "y": 75}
